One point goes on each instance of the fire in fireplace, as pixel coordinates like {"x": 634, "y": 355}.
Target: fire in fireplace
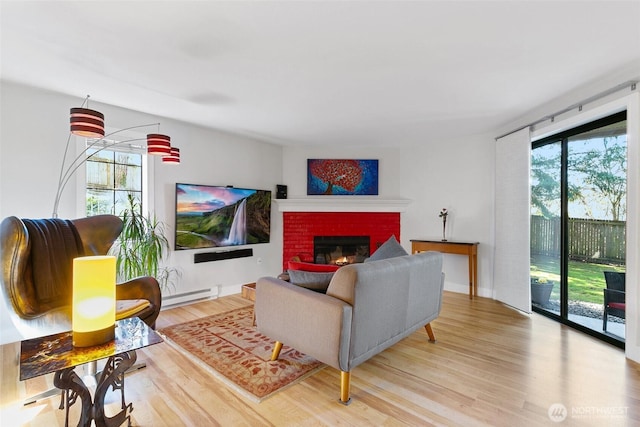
{"x": 340, "y": 250}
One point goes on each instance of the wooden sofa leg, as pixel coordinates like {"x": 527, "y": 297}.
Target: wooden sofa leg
{"x": 345, "y": 385}
{"x": 276, "y": 350}
{"x": 432, "y": 337}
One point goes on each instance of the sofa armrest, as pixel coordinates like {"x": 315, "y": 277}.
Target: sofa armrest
{"x": 313, "y": 323}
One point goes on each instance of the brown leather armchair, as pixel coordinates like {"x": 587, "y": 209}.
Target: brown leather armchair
{"x": 37, "y": 263}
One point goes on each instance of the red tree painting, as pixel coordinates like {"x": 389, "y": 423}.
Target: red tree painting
{"x": 346, "y": 174}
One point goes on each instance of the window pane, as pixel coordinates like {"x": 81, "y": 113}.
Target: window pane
{"x": 100, "y": 156}
{"x": 545, "y": 227}
{"x": 129, "y": 159}
{"x": 598, "y": 173}
{"x": 596, "y": 176}
{"x": 122, "y": 200}
{"x": 99, "y": 202}
{"x": 99, "y": 174}
{"x": 128, "y": 177}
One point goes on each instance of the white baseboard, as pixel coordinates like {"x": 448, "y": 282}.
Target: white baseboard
{"x": 464, "y": 289}
{"x": 171, "y": 301}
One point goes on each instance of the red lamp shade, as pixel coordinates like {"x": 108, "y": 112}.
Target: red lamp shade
{"x": 173, "y": 158}
{"x": 87, "y": 123}
{"x": 159, "y": 145}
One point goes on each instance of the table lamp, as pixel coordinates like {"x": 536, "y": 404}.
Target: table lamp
{"x": 94, "y": 300}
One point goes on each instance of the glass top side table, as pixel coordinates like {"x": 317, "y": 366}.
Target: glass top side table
{"x": 55, "y": 353}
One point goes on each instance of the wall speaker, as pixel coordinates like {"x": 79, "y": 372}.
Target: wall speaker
{"x": 219, "y": 256}
{"x": 281, "y": 192}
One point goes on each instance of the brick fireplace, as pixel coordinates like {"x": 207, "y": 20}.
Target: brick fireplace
{"x": 299, "y": 229}
{"x": 305, "y": 218}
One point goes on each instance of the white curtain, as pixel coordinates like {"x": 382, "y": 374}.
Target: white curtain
{"x": 512, "y": 216}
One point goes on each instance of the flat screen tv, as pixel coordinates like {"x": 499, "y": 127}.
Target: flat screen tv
{"x": 210, "y": 216}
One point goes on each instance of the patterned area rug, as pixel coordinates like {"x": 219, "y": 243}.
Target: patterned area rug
{"x": 231, "y": 348}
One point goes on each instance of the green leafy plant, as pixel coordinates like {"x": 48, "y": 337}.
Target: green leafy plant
{"x": 142, "y": 247}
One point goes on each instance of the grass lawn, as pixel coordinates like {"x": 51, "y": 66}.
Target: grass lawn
{"x": 586, "y": 280}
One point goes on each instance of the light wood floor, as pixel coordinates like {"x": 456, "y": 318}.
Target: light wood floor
{"x": 490, "y": 366}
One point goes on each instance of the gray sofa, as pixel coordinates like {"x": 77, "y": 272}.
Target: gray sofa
{"x": 367, "y": 308}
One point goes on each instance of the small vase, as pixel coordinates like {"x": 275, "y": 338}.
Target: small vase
{"x": 444, "y": 227}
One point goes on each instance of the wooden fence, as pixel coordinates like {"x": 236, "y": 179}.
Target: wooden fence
{"x": 599, "y": 241}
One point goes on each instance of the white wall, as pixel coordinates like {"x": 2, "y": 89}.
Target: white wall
{"x": 34, "y": 126}
{"x": 457, "y": 175}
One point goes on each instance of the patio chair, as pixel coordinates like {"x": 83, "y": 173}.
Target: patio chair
{"x": 614, "y": 296}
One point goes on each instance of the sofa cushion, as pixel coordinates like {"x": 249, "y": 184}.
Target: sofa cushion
{"x": 389, "y": 249}
{"x": 316, "y": 281}
{"x": 308, "y": 266}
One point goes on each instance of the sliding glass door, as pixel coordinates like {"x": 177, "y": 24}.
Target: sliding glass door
{"x": 578, "y": 217}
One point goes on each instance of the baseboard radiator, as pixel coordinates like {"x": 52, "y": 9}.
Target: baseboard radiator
{"x": 189, "y": 297}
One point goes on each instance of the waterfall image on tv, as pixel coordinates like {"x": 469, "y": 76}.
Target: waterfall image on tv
{"x": 214, "y": 216}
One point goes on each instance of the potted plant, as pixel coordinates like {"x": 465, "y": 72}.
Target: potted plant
{"x": 141, "y": 247}
{"x": 541, "y": 290}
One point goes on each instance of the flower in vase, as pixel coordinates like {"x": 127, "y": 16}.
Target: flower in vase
{"x": 443, "y": 214}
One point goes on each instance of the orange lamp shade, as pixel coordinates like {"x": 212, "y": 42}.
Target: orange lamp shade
{"x": 94, "y": 300}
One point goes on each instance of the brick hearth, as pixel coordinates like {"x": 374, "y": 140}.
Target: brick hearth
{"x": 299, "y": 228}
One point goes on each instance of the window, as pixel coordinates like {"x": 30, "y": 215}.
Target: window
{"x": 578, "y": 223}
{"x": 111, "y": 176}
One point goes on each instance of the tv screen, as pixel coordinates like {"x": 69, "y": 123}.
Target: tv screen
{"x": 214, "y": 216}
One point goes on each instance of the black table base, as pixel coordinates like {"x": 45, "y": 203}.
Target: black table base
{"x": 73, "y": 387}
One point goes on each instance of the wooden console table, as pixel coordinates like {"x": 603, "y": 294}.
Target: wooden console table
{"x": 470, "y": 249}
{"x": 249, "y": 292}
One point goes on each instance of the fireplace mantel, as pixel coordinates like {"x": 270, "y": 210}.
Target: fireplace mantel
{"x": 342, "y": 204}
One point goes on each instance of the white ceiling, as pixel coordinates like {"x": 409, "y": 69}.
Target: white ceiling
{"x": 321, "y": 72}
